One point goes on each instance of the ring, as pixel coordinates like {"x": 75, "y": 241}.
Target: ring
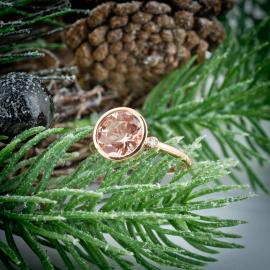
{"x": 121, "y": 133}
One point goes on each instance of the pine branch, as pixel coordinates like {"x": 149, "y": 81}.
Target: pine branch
{"x": 19, "y": 29}
{"x": 227, "y": 96}
{"x": 133, "y": 204}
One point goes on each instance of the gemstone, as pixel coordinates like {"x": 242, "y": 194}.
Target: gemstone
{"x": 24, "y": 103}
{"x": 152, "y": 142}
{"x": 120, "y": 134}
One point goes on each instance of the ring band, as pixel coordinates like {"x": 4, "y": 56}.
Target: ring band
{"x": 169, "y": 149}
{"x": 121, "y": 133}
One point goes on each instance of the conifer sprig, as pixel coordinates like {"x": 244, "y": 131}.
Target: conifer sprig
{"x": 227, "y": 96}
{"x": 133, "y": 204}
{"x": 20, "y": 31}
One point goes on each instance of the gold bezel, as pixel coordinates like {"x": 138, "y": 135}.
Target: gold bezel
{"x": 137, "y": 150}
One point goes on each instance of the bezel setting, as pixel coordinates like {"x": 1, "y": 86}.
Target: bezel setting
{"x": 138, "y": 148}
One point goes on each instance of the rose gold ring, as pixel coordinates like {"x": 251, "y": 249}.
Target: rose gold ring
{"x": 121, "y": 133}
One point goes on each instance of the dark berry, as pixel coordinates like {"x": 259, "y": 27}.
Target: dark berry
{"x": 24, "y": 103}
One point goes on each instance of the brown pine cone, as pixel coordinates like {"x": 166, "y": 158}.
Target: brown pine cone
{"x": 128, "y": 47}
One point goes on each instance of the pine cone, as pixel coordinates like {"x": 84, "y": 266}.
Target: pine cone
{"x": 128, "y": 47}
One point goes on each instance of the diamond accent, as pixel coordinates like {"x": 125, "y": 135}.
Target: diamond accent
{"x": 120, "y": 134}
{"x": 152, "y": 142}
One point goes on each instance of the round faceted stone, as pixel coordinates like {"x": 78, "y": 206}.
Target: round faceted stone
{"x": 120, "y": 134}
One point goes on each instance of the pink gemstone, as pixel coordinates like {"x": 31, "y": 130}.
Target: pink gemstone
{"x": 120, "y": 134}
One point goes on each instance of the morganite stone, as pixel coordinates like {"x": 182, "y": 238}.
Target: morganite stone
{"x": 120, "y": 134}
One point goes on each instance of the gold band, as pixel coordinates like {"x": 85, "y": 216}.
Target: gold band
{"x": 153, "y": 142}
{"x": 174, "y": 152}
